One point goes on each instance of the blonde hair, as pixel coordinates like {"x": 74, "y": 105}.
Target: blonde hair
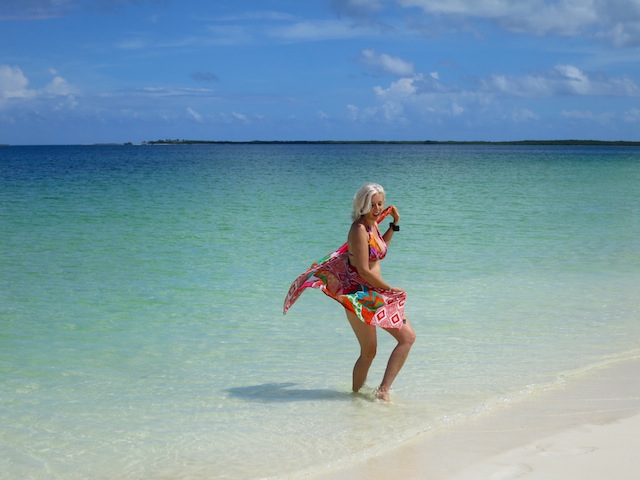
{"x": 362, "y": 199}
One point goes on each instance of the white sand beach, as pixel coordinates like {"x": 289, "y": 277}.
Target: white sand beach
{"x": 588, "y": 428}
{"x": 587, "y": 452}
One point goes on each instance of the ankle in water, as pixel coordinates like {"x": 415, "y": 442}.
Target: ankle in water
{"x": 381, "y": 394}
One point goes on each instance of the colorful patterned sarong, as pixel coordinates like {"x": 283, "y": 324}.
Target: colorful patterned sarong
{"x": 339, "y": 280}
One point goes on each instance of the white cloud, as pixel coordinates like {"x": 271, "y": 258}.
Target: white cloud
{"x": 622, "y": 35}
{"x": 398, "y": 90}
{"x": 521, "y": 115}
{"x": 195, "y": 115}
{"x": 462, "y": 7}
{"x": 390, "y": 112}
{"x": 387, "y": 63}
{"x": 58, "y": 86}
{"x": 426, "y": 98}
{"x": 353, "y": 112}
{"x": 620, "y": 22}
{"x": 456, "y": 109}
{"x": 317, "y": 30}
{"x": 13, "y": 83}
{"x": 576, "y": 80}
{"x": 564, "y": 17}
{"x": 240, "y": 116}
{"x": 174, "y": 92}
{"x": 616, "y": 22}
{"x": 562, "y": 79}
{"x": 234, "y": 118}
{"x": 632, "y": 115}
{"x": 393, "y": 112}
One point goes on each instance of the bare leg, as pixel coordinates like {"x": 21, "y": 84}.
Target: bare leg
{"x": 367, "y": 337}
{"x": 405, "y": 337}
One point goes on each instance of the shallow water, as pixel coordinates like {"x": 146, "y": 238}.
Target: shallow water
{"x": 141, "y": 293}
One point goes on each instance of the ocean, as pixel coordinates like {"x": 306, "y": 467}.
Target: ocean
{"x": 141, "y": 292}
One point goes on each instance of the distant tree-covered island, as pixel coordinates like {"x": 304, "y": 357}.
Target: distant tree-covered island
{"x": 617, "y": 143}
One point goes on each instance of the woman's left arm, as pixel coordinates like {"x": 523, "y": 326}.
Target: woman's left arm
{"x": 388, "y": 235}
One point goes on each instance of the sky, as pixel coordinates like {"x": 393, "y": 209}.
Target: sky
{"x": 102, "y": 71}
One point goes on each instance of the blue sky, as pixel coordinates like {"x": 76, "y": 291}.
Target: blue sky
{"x": 91, "y": 71}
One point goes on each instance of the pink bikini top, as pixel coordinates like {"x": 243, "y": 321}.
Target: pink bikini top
{"x": 377, "y": 251}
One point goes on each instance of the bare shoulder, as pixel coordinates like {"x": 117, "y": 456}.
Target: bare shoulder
{"x": 357, "y": 232}
{"x": 357, "y": 228}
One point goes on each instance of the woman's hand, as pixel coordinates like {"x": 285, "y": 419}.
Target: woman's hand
{"x": 395, "y": 214}
{"x": 388, "y": 235}
{"x": 396, "y": 289}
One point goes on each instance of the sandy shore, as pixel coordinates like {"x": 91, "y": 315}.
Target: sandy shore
{"x": 589, "y": 452}
{"x": 587, "y": 429}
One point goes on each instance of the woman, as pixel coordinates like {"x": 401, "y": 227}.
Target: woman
{"x": 351, "y": 275}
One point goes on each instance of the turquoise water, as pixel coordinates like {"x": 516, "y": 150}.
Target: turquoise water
{"x": 141, "y": 294}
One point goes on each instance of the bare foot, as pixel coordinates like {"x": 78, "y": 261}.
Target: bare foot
{"x": 382, "y": 395}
